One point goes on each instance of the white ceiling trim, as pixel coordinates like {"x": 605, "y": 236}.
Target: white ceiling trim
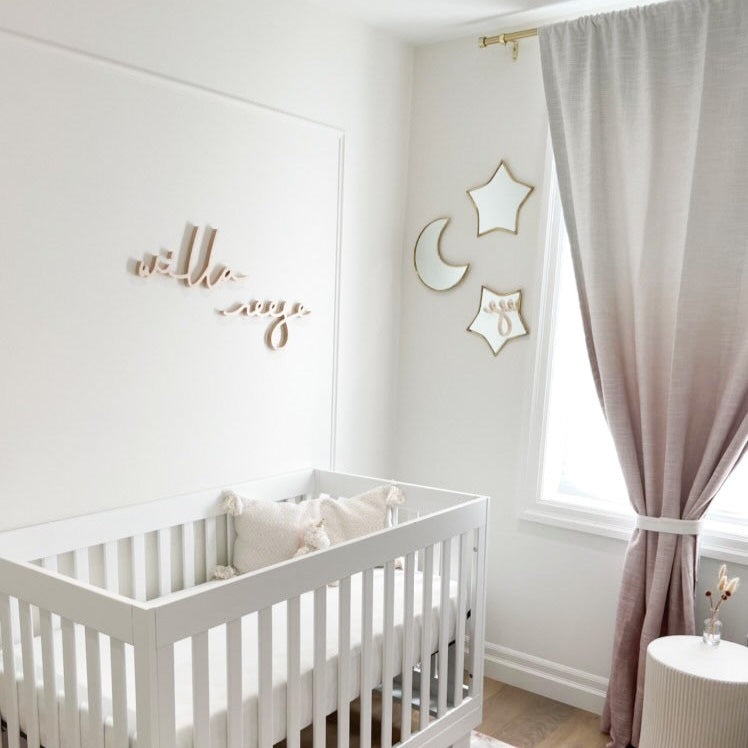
{"x": 547, "y": 14}
{"x": 427, "y": 21}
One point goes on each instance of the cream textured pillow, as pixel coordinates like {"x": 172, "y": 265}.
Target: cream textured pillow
{"x": 349, "y": 518}
{"x": 267, "y": 532}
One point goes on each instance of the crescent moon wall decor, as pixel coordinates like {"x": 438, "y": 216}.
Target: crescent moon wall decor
{"x": 499, "y": 200}
{"x": 498, "y": 319}
{"x": 431, "y": 268}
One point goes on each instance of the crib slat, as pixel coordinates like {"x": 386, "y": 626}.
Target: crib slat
{"x": 426, "y": 627}
{"x": 319, "y": 725}
{"x": 163, "y": 537}
{"x": 70, "y": 668}
{"x": 230, "y": 538}
{"x": 265, "y": 677}
{"x": 444, "y": 613}
{"x": 29, "y": 675}
{"x": 367, "y": 594}
{"x": 293, "y": 655}
{"x": 234, "y": 683}
{"x": 211, "y": 547}
{"x": 48, "y": 621}
{"x": 49, "y": 673}
{"x": 80, "y": 564}
{"x": 166, "y": 698}
{"x": 111, "y": 566}
{"x": 9, "y": 674}
{"x": 408, "y": 645}
{"x": 119, "y": 694}
{"x": 93, "y": 674}
{"x": 460, "y": 620}
{"x": 200, "y": 690}
{"x": 344, "y": 662}
{"x": 388, "y": 647}
{"x": 188, "y": 555}
{"x": 138, "y": 566}
{"x": 50, "y": 564}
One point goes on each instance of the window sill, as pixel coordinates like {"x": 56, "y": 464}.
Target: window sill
{"x": 722, "y": 540}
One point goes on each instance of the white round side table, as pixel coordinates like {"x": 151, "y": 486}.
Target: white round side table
{"x": 695, "y": 695}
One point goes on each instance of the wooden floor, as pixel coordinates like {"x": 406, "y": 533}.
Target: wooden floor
{"x": 526, "y": 720}
{"x": 516, "y": 717}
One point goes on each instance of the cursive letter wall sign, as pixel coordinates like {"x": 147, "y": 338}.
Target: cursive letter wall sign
{"x": 276, "y": 335}
{"x": 276, "y": 310}
{"x": 162, "y": 265}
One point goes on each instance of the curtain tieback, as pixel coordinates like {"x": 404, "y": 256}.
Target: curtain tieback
{"x": 668, "y": 525}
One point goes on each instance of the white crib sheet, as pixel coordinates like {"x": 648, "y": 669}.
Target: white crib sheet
{"x": 217, "y": 646}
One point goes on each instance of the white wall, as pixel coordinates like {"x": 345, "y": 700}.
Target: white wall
{"x": 285, "y": 55}
{"x": 463, "y": 414}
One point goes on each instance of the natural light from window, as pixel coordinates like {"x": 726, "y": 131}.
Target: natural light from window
{"x": 580, "y": 465}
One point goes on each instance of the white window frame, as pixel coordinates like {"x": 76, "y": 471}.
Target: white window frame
{"x": 725, "y": 538}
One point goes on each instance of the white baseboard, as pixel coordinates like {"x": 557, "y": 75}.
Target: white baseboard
{"x": 566, "y": 684}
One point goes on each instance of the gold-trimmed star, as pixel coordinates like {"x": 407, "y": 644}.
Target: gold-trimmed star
{"x": 499, "y": 200}
{"x": 499, "y": 318}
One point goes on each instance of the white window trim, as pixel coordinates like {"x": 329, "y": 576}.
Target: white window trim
{"x": 725, "y": 538}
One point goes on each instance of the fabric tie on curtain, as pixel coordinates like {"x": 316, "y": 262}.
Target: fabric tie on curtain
{"x": 648, "y": 111}
{"x": 672, "y": 526}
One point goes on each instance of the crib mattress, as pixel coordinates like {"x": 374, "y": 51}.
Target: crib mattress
{"x": 217, "y": 670}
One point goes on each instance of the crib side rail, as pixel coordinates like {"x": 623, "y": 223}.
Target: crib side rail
{"x": 99, "y": 609}
{"x": 147, "y": 550}
{"x": 193, "y": 611}
{"x": 420, "y": 499}
{"x": 62, "y": 536}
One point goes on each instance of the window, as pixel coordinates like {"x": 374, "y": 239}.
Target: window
{"x": 574, "y": 478}
{"x": 580, "y": 464}
{"x": 731, "y": 503}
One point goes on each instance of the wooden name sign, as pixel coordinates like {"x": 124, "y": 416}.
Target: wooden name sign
{"x": 210, "y": 276}
{"x": 276, "y": 335}
{"x": 164, "y": 264}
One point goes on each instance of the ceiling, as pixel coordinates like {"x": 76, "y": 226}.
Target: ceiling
{"x": 426, "y": 21}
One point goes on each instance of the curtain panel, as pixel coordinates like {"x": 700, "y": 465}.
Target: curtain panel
{"x": 648, "y": 112}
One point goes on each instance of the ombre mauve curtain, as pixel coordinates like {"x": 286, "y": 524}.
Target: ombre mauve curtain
{"x": 649, "y": 121}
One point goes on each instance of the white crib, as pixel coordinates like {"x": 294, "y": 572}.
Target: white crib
{"x": 112, "y": 637}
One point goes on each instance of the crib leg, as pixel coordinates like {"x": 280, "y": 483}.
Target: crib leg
{"x": 462, "y": 742}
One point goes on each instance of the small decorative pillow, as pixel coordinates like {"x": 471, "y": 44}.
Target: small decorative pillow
{"x": 268, "y": 532}
{"x": 349, "y": 518}
{"x": 315, "y": 538}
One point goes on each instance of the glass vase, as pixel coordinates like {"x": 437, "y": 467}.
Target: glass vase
{"x": 712, "y": 632}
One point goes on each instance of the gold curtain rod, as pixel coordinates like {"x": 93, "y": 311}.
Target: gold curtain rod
{"x": 511, "y": 38}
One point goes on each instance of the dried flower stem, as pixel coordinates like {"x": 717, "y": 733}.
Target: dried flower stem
{"x": 725, "y": 590}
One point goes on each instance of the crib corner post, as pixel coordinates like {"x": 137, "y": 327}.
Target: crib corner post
{"x": 478, "y": 617}
{"x": 146, "y": 678}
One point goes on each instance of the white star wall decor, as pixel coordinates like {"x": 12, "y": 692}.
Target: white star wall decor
{"x": 498, "y": 202}
{"x": 498, "y": 319}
